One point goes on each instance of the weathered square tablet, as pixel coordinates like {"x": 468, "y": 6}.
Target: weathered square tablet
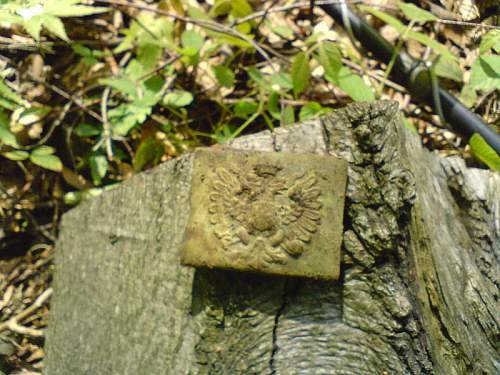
{"x": 278, "y": 213}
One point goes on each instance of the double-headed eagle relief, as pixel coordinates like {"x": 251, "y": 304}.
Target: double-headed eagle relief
{"x": 272, "y": 212}
{"x": 260, "y": 214}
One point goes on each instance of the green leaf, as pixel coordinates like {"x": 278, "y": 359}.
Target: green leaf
{"x": 311, "y": 110}
{"x": 149, "y": 151}
{"x": 283, "y": 31}
{"x": 288, "y": 116}
{"x": 149, "y": 54}
{"x": 224, "y": 75}
{"x": 448, "y": 69}
{"x": 273, "y": 105}
{"x": 6, "y": 135}
{"x": 300, "y": 73}
{"x": 330, "y": 58}
{"x": 484, "y": 152}
{"x": 178, "y": 98}
{"x": 16, "y": 155}
{"x": 415, "y": 13}
{"x": 240, "y": 8}
{"x": 221, "y": 8}
{"x": 98, "y": 167}
{"x": 282, "y": 79}
{"x": 490, "y": 40}
{"x": 354, "y": 86}
{"x": 33, "y": 26}
{"x": 74, "y": 10}
{"x": 50, "y": 162}
{"x": 244, "y": 109}
{"x": 123, "y": 85}
{"x": 485, "y": 73}
{"x": 402, "y": 29}
{"x": 55, "y": 26}
{"x": 8, "y": 94}
{"x": 192, "y": 42}
{"x": 44, "y": 150}
{"x": 87, "y": 130}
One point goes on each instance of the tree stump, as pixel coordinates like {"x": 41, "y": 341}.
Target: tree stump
{"x": 418, "y": 291}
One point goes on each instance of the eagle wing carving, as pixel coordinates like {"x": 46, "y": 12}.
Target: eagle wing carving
{"x": 260, "y": 214}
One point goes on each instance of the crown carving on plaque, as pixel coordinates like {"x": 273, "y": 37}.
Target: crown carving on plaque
{"x": 264, "y": 215}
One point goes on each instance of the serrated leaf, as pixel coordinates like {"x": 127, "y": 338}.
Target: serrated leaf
{"x": 55, "y": 26}
{"x": 330, "y": 58}
{"x": 43, "y": 150}
{"x": 490, "y": 40}
{"x": 51, "y": 162}
{"x": 485, "y": 73}
{"x": 98, "y": 168}
{"x": 415, "y": 13}
{"x": 224, "y": 75}
{"x": 300, "y": 73}
{"x": 484, "y": 152}
{"x": 178, "y": 98}
{"x": 16, "y": 155}
{"x": 123, "y": 85}
{"x": 354, "y": 86}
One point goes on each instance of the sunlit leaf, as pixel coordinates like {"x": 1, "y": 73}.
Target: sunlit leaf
{"x": 178, "y": 98}
{"x": 485, "y": 73}
{"x": 330, "y": 58}
{"x": 192, "y": 42}
{"x": 16, "y": 155}
{"x": 44, "y": 150}
{"x": 98, "y": 167}
{"x": 149, "y": 151}
{"x": 353, "y": 85}
{"x": 484, "y": 152}
{"x": 55, "y": 26}
{"x": 490, "y": 40}
{"x": 311, "y": 110}
{"x": 300, "y": 73}
{"x": 51, "y": 162}
{"x": 224, "y": 75}
{"x": 415, "y": 13}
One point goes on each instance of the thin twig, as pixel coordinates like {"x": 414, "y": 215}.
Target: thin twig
{"x": 286, "y": 8}
{"x": 13, "y": 323}
{"x": 209, "y": 25}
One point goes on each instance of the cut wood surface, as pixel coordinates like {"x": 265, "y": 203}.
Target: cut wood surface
{"x": 418, "y": 292}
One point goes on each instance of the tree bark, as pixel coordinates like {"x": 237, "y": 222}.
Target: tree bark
{"x": 418, "y": 291}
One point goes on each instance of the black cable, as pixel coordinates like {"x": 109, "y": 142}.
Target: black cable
{"x": 415, "y": 76}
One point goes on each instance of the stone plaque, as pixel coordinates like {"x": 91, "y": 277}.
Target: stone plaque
{"x": 278, "y": 213}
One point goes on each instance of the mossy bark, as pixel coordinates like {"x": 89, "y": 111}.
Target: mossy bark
{"x": 418, "y": 292}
